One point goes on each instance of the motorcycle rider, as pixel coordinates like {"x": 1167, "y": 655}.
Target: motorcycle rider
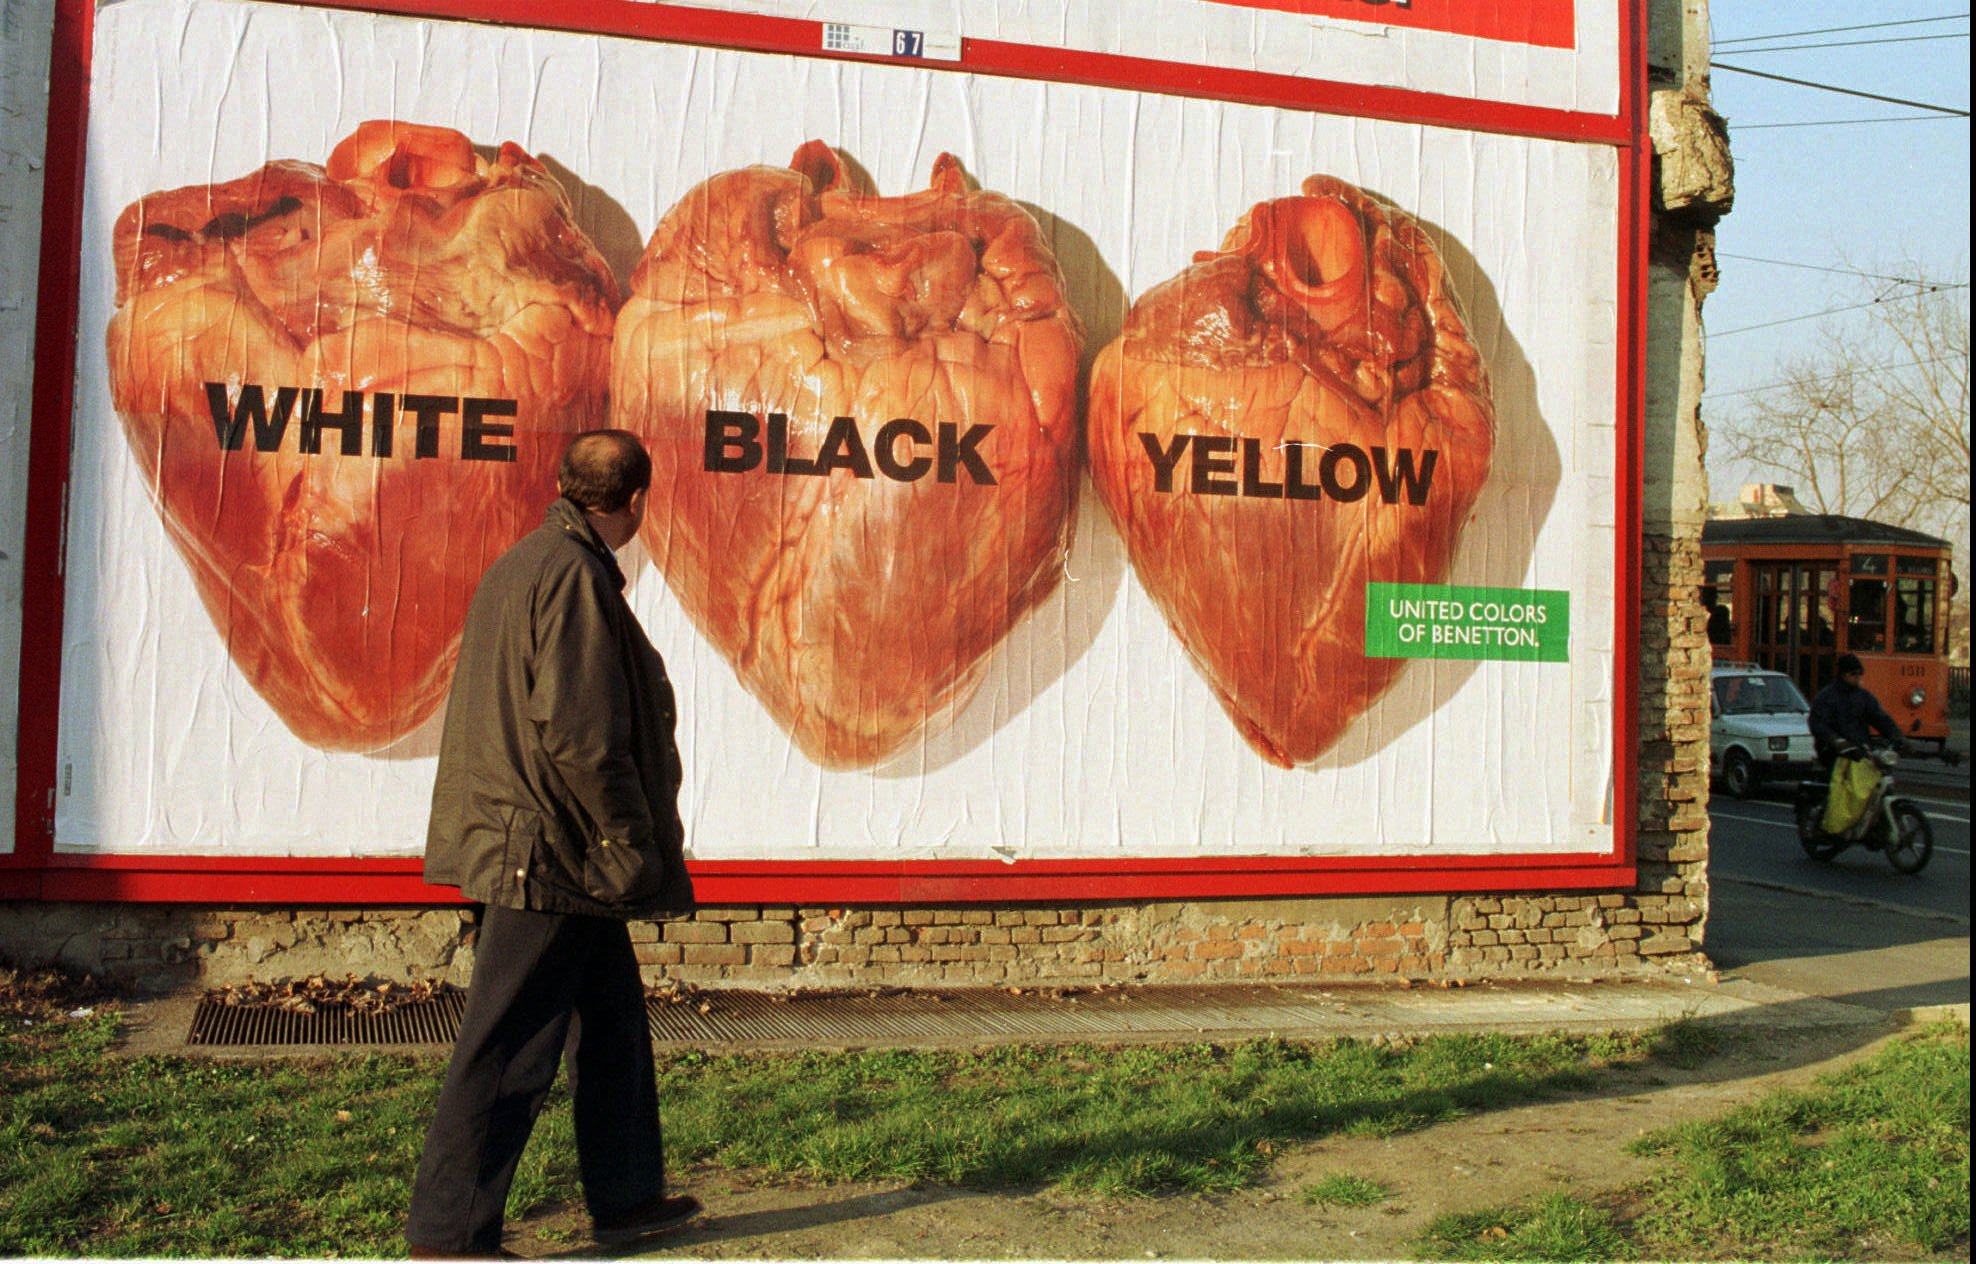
{"x": 1845, "y": 715}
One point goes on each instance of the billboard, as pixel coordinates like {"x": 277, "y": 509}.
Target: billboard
{"x": 1064, "y": 483}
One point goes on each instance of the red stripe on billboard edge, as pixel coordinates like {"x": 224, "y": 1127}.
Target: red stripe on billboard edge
{"x": 794, "y": 886}
{"x": 1543, "y": 23}
{"x": 1635, "y": 228}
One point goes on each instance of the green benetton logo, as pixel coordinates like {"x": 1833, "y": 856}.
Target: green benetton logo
{"x": 1523, "y": 625}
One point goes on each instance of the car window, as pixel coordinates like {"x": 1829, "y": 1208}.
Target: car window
{"x": 1758, "y": 695}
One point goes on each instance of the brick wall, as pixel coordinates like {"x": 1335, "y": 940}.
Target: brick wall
{"x": 158, "y": 947}
{"x": 1128, "y": 943}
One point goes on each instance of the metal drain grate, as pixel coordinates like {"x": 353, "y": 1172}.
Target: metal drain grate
{"x": 433, "y": 1022}
{"x": 775, "y": 1020}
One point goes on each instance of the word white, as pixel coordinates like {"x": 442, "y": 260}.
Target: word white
{"x": 250, "y": 409}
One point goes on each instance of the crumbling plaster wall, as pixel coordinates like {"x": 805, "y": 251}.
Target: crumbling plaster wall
{"x": 25, "y": 29}
{"x": 1693, "y": 188}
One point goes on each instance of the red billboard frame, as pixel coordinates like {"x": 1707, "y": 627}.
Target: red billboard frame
{"x": 36, "y": 870}
{"x": 1541, "y": 23}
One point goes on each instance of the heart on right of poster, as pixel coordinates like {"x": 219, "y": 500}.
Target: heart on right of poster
{"x": 1292, "y": 417}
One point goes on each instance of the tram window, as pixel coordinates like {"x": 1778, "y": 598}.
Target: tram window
{"x": 1914, "y": 616}
{"x": 1869, "y": 564}
{"x": 1866, "y": 624}
{"x": 1823, "y": 592}
{"x": 1917, "y": 565}
{"x": 1719, "y": 600}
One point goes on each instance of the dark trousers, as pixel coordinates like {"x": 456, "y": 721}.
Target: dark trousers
{"x": 545, "y": 985}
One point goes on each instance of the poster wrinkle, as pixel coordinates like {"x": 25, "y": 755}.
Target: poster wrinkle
{"x": 1148, "y": 712}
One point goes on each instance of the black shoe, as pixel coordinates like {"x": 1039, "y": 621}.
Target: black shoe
{"x": 660, "y": 1214}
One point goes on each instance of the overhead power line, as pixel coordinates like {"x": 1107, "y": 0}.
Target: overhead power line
{"x": 1834, "y": 30}
{"x": 1815, "y": 267}
{"x": 1850, "y": 92}
{"x": 1833, "y": 311}
{"x": 1848, "y": 122}
{"x": 1899, "y": 39}
{"x": 1829, "y": 377}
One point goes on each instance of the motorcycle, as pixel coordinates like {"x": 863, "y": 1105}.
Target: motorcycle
{"x": 1889, "y": 824}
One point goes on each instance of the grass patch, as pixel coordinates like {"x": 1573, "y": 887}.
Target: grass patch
{"x": 1342, "y": 1189}
{"x": 1867, "y": 1160}
{"x": 114, "y": 1156}
{"x": 1557, "y": 1227}
{"x": 1865, "y": 1163}
{"x": 1130, "y": 1121}
{"x": 180, "y": 1156}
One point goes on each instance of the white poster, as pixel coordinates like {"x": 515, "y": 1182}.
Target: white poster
{"x": 1045, "y": 471}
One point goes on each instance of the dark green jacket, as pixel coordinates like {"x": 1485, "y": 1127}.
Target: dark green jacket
{"x": 558, "y": 780}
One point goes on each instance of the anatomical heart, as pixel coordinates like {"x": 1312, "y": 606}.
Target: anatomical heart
{"x": 862, "y": 418}
{"x": 349, "y": 388}
{"x": 1294, "y": 416}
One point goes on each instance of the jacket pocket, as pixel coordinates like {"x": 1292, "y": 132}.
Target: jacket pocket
{"x": 618, "y": 874}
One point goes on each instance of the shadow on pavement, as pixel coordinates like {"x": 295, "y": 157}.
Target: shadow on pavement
{"x": 1851, "y": 947}
{"x": 764, "y": 1223}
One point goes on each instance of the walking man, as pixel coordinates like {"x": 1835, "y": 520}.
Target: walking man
{"x": 556, "y": 808}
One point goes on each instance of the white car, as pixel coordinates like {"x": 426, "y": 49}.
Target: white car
{"x": 1758, "y": 729}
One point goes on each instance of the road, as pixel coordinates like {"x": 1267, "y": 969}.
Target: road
{"x": 1852, "y": 929}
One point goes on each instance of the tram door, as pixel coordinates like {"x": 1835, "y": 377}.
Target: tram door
{"x": 1795, "y": 616}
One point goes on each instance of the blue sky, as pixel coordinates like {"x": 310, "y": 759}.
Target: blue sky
{"x": 1865, "y": 195}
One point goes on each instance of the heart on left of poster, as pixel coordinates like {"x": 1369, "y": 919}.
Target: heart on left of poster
{"x": 431, "y": 325}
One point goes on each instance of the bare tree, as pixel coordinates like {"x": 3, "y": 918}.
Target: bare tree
{"x": 1875, "y": 424}
{"x": 1872, "y": 424}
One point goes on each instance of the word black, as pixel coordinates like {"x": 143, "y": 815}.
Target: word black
{"x": 1344, "y": 471}
{"x": 478, "y": 435}
{"x": 736, "y": 444}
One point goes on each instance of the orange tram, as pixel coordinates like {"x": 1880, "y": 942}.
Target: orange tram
{"x": 1792, "y": 593}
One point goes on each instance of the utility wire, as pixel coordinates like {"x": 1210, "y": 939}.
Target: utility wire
{"x": 1901, "y": 39}
{"x": 1829, "y": 377}
{"x": 1813, "y": 267}
{"x": 1850, "y": 92}
{"x": 1897, "y": 118}
{"x": 1833, "y": 311}
{"x": 1834, "y": 30}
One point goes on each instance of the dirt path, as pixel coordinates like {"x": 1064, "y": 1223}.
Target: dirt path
{"x": 1576, "y": 1143}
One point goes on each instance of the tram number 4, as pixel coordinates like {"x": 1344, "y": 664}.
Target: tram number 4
{"x": 908, "y": 43}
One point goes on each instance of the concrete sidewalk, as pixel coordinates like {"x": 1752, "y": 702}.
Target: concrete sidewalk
{"x": 968, "y": 1018}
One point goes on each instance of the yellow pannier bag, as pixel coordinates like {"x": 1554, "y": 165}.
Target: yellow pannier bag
{"x": 1852, "y": 786}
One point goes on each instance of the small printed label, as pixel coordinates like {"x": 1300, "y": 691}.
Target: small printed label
{"x": 886, "y": 41}
{"x": 1519, "y": 625}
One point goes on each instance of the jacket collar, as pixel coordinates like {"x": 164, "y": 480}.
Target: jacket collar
{"x": 566, "y": 515}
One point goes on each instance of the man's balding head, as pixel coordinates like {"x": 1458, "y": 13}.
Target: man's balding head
{"x": 603, "y": 469}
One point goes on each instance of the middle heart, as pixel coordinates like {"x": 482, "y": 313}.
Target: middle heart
{"x": 862, "y": 418}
